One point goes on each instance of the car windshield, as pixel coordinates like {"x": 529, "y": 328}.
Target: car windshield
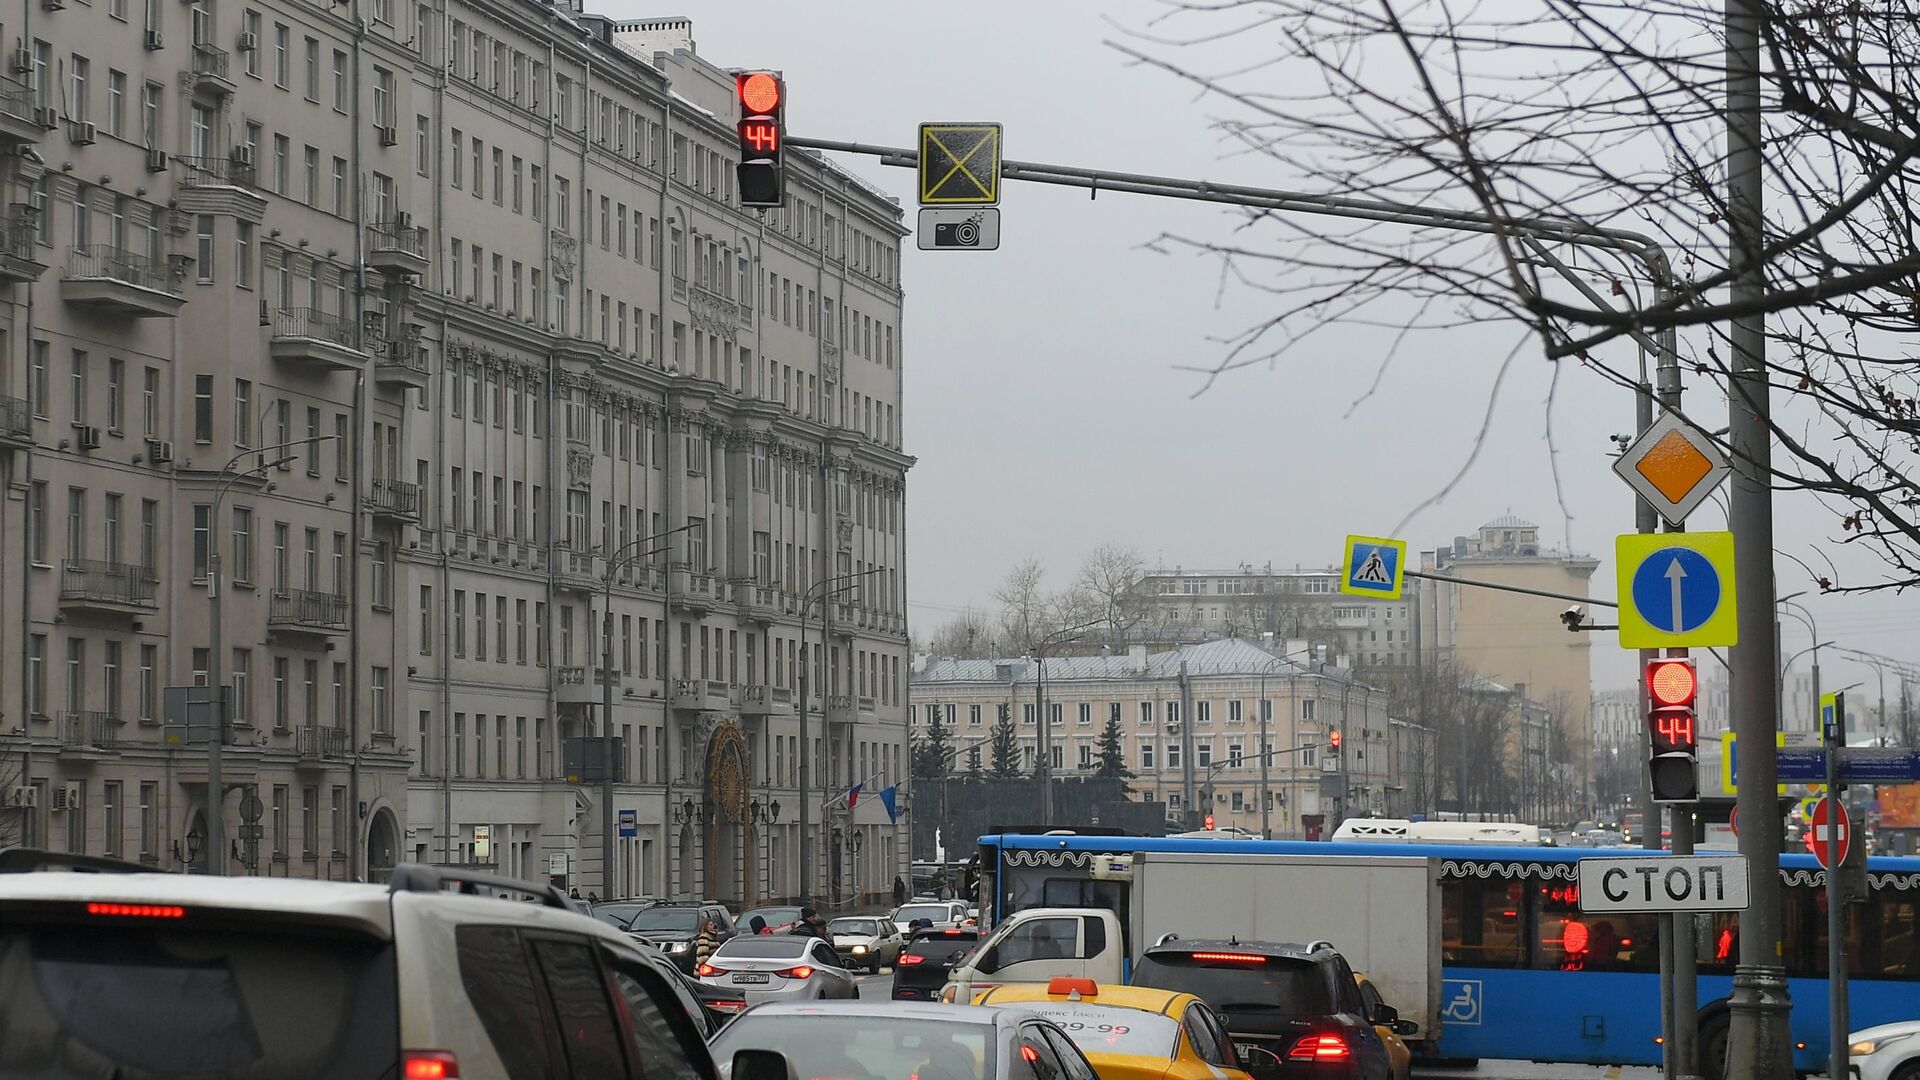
{"x": 1106, "y": 1029}
{"x": 619, "y": 916}
{"x": 936, "y": 912}
{"x": 862, "y": 1047}
{"x": 941, "y": 948}
{"x": 853, "y": 926}
{"x": 681, "y": 920}
{"x": 1273, "y": 983}
{"x": 774, "y": 946}
{"x": 152, "y": 999}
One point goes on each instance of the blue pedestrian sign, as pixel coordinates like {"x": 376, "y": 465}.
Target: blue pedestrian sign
{"x": 1374, "y": 566}
{"x": 1676, "y": 590}
{"x": 629, "y": 823}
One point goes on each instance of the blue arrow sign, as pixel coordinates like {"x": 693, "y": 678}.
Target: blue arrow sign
{"x": 1676, "y": 589}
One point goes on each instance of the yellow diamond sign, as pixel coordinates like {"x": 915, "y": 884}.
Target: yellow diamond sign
{"x": 1673, "y": 466}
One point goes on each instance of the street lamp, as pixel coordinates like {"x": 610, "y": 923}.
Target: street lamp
{"x": 825, "y": 589}
{"x": 1044, "y": 773}
{"x": 765, "y": 813}
{"x": 195, "y": 838}
{"x": 1266, "y": 714}
{"x": 618, "y": 560}
{"x": 216, "y": 790}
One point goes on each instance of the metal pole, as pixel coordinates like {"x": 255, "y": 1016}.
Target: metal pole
{"x": 216, "y": 849}
{"x": 1836, "y": 736}
{"x": 606, "y": 739}
{"x": 1760, "y": 1045}
{"x": 1045, "y": 770}
{"x": 1186, "y": 751}
{"x": 1266, "y": 793}
{"x": 806, "y": 761}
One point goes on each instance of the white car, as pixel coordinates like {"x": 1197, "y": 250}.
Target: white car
{"x": 1887, "y": 1052}
{"x": 778, "y": 967}
{"x": 941, "y": 913}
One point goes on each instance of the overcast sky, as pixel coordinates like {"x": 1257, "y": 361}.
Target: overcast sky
{"x": 1044, "y": 399}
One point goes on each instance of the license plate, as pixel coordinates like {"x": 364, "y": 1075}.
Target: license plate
{"x": 750, "y": 977}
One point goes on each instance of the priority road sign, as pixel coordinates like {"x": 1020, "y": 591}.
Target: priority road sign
{"x": 1673, "y": 466}
{"x": 1817, "y": 828}
{"x": 1656, "y": 883}
{"x": 1676, "y": 590}
{"x": 959, "y": 164}
{"x": 1374, "y": 566}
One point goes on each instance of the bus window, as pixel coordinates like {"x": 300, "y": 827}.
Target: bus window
{"x": 1893, "y": 950}
{"x": 1480, "y": 923}
{"x": 1568, "y": 940}
{"x": 1881, "y": 941}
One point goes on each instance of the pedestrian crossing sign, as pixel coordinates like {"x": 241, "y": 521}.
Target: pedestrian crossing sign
{"x": 1374, "y": 567}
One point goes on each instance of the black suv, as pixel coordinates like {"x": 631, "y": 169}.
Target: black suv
{"x": 1297, "y": 1003}
{"x": 921, "y": 971}
{"x": 673, "y": 925}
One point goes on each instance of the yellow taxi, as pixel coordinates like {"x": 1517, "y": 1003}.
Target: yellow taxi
{"x": 1399, "y": 1057}
{"x": 1130, "y": 1032}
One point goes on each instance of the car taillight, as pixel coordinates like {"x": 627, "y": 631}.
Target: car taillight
{"x": 801, "y": 972}
{"x": 428, "y": 1065}
{"x": 909, "y": 960}
{"x": 705, "y": 970}
{"x": 726, "y": 1006}
{"x": 1320, "y": 1048}
{"x": 137, "y": 911}
{"x": 1230, "y": 957}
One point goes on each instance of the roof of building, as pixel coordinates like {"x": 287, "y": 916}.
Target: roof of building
{"x": 1508, "y": 521}
{"x": 1228, "y": 656}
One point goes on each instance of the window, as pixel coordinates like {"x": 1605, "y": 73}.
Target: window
{"x": 77, "y": 101}
{"x": 242, "y": 545}
{"x": 377, "y": 691}
{"x": 339, "y": 81}
{"x": 203, "y": 249}
{"x": 313, "y": 68}
{"x": 281, "y": 39}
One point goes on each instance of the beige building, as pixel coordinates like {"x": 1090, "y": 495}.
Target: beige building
{"x": 1302, "y": 605}
{"x": 1225, "y": 687}
{"x": 483, "y": 265}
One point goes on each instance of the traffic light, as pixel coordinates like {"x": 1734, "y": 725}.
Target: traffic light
{"x": 1208, "y": 822}
{"x": 763, "y": 106}
{"x": 1333, "y": 741}
{"x": 1671, "y": 685}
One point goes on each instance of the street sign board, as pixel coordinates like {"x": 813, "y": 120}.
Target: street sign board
{"x": 1673, "y": 466}
{"x": 250, "y": 807}
{"x": 483, "y": 842}
{"x": 1374, "y": 566}
{"x": 1879, "y": 765}
{"x": 1654, "y": 883}
{"x": 557, "y": 864}
{"x": 1676, "y": 590}
{"x": 959, "y": 164}
{"x": 1817, "y": 828}
{"x": 959, "y": 229}
{"x": 629, "y": 823}
{"x": 1800, "y": 765}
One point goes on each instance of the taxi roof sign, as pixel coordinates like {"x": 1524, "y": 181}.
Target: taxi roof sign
{"x": 1374, "y": 566}
{"x": 1674, "y": 466}
{"x": 959, "y": 164}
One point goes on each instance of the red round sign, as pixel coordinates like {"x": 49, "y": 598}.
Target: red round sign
{"x": 1733, "y": 821}
{"x": 1817, "y": 829}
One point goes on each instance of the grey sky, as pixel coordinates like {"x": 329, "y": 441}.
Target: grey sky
{"x": 1043, "y": 398}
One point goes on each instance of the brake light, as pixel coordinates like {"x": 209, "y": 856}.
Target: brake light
{"x": 726, "y": 1006}
{"x": 137, "y": 911}
{"x": 1230, "y": 957}
{"x": 801, "y": 972}
{"x": 429, "y": 1065}
{"x": 1029, "y": 1054}
{"x": 705, "y": 970}
{"x": 909, "y": 960}
{"x": 1320, "y": 1048}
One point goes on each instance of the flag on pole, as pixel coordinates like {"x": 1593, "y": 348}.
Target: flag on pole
{"x": 887, "y": 800}
{"x": 853, "y": 794}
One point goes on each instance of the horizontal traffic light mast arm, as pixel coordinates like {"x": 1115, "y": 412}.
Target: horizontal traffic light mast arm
{"x": 1564, "y": 230}
{"x": 1595, "y": 601}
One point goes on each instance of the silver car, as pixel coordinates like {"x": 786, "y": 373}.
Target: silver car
{"x": 940, "y": 914}
{"x": 905, "y": 1039}
{"x": 777, "y": 967}
{"x": 866, "y": 941}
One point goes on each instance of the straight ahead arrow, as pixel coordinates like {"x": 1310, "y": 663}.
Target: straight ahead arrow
{"x": 1675, "y": 575}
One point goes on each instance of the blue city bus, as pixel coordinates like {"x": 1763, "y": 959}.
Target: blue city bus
{"x": 1525, "y": 973}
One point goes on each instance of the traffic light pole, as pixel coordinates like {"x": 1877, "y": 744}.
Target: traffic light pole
{"x": 1836, "y": 737}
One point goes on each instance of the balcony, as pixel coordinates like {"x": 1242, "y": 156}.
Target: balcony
{"x": 311, "y": 336}
{"x": 200, "y": 173}
{"x": 575, "y": 570}
{"x": 19, "y": 116}
{"x": 107, "y": 587}
{"x": 19, "y": 246}
{"x": 16, "y": 422}
{"x": 116, "y": 281}
{"x": 577, "y": 685}
{"x": 316, "y": 746}
{"x": 394, "y": 500}
{"x": 85, "y": 736}
{"x": 307, "y": 611}
{"x": 766, "y": 701}
{"x": 211, "y": 70}
{"x": 698, "y": 695}
{"x": 397, "y": 248}
{"x": 399, "y": 361}
{"x": 761, "y": 603}
{"x": 692, "y": 592}
{"x": 840, "y": 709}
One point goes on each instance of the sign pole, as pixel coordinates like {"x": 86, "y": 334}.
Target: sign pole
{"x": 1836, "y": 735}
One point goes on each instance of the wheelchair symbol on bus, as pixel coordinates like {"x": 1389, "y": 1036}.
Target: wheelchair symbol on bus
{"x": 1463, "y": 998}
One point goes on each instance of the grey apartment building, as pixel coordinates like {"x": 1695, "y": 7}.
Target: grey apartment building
{"x": 431, "y": 320}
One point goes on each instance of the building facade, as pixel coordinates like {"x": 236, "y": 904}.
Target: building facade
{"x": 1306, "y": 605}
{"x": 1226, "y": 687}
{"x": 428, "y": 322}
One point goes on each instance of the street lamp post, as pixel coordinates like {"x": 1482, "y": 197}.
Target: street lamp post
{"x": 216, "y": 845}
{"x": 617, "y": 560}
{"x": 1044, "y": 772}
{"x": 1266, "y": 715}
{"x": 825, "y": 589}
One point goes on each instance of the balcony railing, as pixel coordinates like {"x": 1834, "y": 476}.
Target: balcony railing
{"x": 321, "y": 742}
{"x": 16, "y": 418}
{"x": 395, "y": 498}
{"x": 88, "y": 728}
{"x": 99, "y": 582}
{"x": 210, "y": 61}
{"x": 16, "y": 98}
{"x": 393, "y": 236}
{"x": 570, "y": 676}
{"x": 307, "y": 609}
{"x": 214, "y": 171}
{"x": 118, "y": 264}
{"x": 316, "y": 324}
{"x": 20, "y": 232}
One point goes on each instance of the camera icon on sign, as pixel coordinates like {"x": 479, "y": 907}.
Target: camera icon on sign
{"x": 962, "y": 233}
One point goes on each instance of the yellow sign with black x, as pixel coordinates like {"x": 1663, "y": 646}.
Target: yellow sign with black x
{"x": 959, "y": 164}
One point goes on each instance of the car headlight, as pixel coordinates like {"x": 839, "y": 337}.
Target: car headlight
{"x": 1874, "y": 1046}
{"x": 858, "y": 949}
{"x": 679, "y": 946}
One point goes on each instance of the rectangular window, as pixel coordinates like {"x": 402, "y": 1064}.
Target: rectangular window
{"x": 281, "y": 43}
{"x": 203, "y": 249}
{"x": 241, "y": 555}
{"x": 312, "y": 55}
{"x": 339, "y": 80}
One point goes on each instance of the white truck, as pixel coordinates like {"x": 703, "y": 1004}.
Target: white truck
{"x": 1381, "y": 912}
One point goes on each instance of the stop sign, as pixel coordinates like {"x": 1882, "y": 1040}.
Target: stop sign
{"x": 1817, "y": 829}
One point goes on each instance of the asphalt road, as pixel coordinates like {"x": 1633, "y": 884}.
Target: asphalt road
{"x": 877, "y": 988}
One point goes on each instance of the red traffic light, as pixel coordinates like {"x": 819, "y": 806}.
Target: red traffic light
{"x": 1209, "y": 823}
{"x": 1333, "y": 739}
{"x": 1671, "y": 682}
{"x": 759, "y": 92}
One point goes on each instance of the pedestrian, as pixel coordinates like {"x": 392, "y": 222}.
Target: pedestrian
{"x": 592, "y": 897}
{"x": 811, "y": 925}
{"x": 899, "y": 890}
{"x": 757, "y": 926}
{"x": 708, "y": 941}
{"x": 573, "y": 894}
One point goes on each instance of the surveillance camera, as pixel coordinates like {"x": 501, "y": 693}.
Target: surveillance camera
{"x": 1573, "y": 616}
